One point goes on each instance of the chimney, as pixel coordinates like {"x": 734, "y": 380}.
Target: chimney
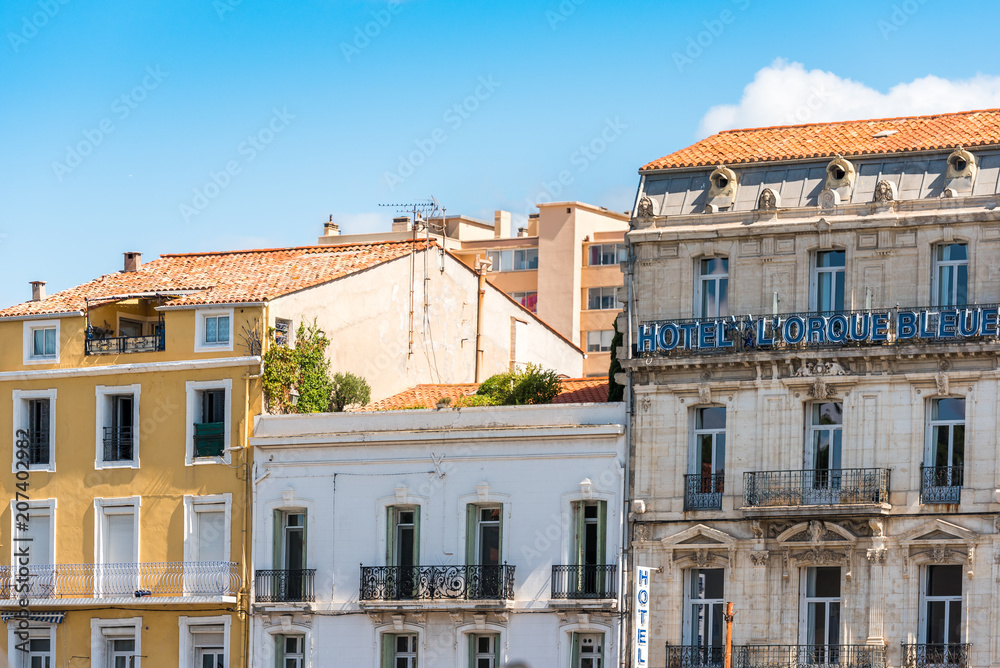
{"x": 501, "y": 224}
{"x": 401, "y": 224}
{"x": 522, "y": 231}
{"x": 331, "y": 229}
{"x": 133, "y": 261}
{"x": 37, "y": 291}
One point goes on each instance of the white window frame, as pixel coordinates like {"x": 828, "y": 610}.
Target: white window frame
{"x": 191, "y": 510}
{"x": 186, "y": 649}
{"x": 303, "y": 656}
{"x": 805, "y": 600}
{"x": 924, "y": 572}
{"x": 415, "y": 654}
{"x": 29, "y": 327}
{"x": 688, "y": 621}
{"x": 101, "y": 505}
{"x": 618, "y": 248}
{"x": 200, "y": 345}
{"x": 37, "y": 630}
{"x": 103, "y": 392}
{"x": 600, "y": 342}
{"x": 815, "y": 270}
{"x": 929, "y": 442}
{"x": 813, "y": 429}
{"x": 99, "y": 650}
{"x": 49, "y": 506}
{"x": 193, "y": 389}
{"x": 694, "y": 451}
{"x": 21, "y": 398}
{"x": 954, "y": 264}
{"x": 701, "y": 279}
{"x": 602, "y": 288}
{"x": 519, "y": 297}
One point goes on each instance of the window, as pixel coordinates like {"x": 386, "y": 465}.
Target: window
{"x": 209, "y": 646}
{"x": 399, "y": 650}
{"x": 823, "y": 449}
{"x": 820, "y": 610}
{"x": 208, "y": 530}
{"x": 484, "y": 651}
{"x": 40, "y": 649}
{"x": 588, "y": 650}
{"x": 403, "y": 548}
{"x": 707, "y": 464}
{"x": 34, "y": 413}
{"x": 942, "y": 605}
{"x": 950, "y": 281}
{"x": 590, "y": 547}
{"x": 36, "y": 532}
{"x": 130, "y": 327}
{"x": 602, "y": 298}
{"x": 117, "y": 422}
{"x": 290, "y": 581}
{"x": 712, "y": 289}
{"x": 290, "y": 651}
{"x": 213, "y": 331}
{"x": 41, "y": 341}
{"x": 704, "y": 604}
{"x": 118, "y": 531}
{"x": 483, "y": 550}
{"x": 828, "y": 281}
{"x": 600, "y": 341}
{"x": 208, "y": 421}
{"x": 603, "y": 254}
{"x": 528, "y": 300}
{"x": 944, "y": 456}
{"x": 115, "y": 643}
{"x": 521, "y": 259}
{"x": 216, "y": 329}
{"x": 282, "y": 331}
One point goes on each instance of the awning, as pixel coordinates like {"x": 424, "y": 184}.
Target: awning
{"x": 41, "y": 617}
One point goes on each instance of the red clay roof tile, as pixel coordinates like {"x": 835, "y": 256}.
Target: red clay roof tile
{"x": 574, "y": 391}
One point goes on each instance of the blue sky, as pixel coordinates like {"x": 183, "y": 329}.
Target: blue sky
{"x": 179, "y": 125}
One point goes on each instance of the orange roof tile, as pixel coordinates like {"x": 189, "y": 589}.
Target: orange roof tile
{"x": 574, "y": 391}
{"x": 847, "y": 138}
{"x": 226, "y": 277}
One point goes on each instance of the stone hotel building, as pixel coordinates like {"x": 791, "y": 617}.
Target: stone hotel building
{"x": 812, "y": 356}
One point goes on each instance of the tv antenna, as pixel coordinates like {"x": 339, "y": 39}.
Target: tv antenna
{"x": 420, "y": 211}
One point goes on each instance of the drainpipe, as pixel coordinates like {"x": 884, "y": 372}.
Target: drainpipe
{"x": 482, "y": 268}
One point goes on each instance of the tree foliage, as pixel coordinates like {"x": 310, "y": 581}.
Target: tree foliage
{"x": 349, "y": 390}
{"x": 616, "y": 391}
{"x": 305, "y": 367}
{"x": 530, "y": 385}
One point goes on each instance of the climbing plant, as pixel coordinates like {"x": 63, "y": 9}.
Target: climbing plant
{"x": 304, "y": 367}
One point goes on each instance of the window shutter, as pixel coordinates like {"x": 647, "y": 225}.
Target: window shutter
{"x": 580, "y": 530}
{"x": 500, "y": 538}
{"x": 575, "y": 661}
{"x": 276, "y": 563}
{"x": 388, "y": 650}
{"x": 473, "y": 644}
{"x": 496, "y": 651}
{"x": 416, "y": 536}
{"x": 279, "y": 651}
{"x": 390, "y": 536}
{"x": 305, "y": 532}
{"x": 470, "y": 534}
{"x": 602, "y": 532}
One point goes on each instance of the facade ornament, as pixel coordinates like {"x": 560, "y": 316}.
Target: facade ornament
{"x": 480, "y": 620}
{"x": 996, "y": 524}
{"x": 645, "y": 209}
{"x": 702, "y": 557}
{"x": 810, "y": 369}
{"x": 759, "y": 557}
{"x": 641, "y": 532}
{"x": 941, "y": 380}
{"x": 876, "y": 557}
{"x": 819, "y": 390}
{"x": 878, "y": 529}
{"x": 645, "y": 403}
{"x": 829, "y": 199}
{"x": 885, "y": 192}
{"x": 758, "y": 529}
{"x": 704, "y": 394}
{"x": 419, "y": 617}
{"x": 768, "y": 200}
{"x": 818, "y": 555}
{"x": 970, "y": 561}
{"x": 816, "y": 531}
{"x": 784, "y": 564}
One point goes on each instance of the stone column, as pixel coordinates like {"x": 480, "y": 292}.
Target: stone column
{"x": 757, "y": 595}
{"x": 876, "y": 593}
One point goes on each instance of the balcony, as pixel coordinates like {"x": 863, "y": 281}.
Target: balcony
{"x": 118, "y": 444}
{"x": 695, "y": 656}
{"x": 209, "y": 439}
{"x": 141, "y": 580}
{"x": 941, "y": 484}
{"x": 947, "y": 655}
{"x": 807, "y": 656}
{"x": 285, "y": 585}
{"x": 577, "y": 582}
{"x": 840, "y": 489}
{"x": 432, "y": 583}
{"x": 703, "y": 491}
{"x": 118, "y": 345}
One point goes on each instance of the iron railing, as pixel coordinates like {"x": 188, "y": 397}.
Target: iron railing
{"x": 816, "y": 487}
{"x": 809, "y": 656}
{"x": 941, "y": 484}
{"x": 473, "y": 583}
{"x": 38, "y": 447}
{"x": 118, "y": 444}
{"x": 584, "y": 581}
{"x": 209, "y": 439}
{"x": 943, "y": 655}
{"x": 176, "y": 578}
{"x": 703, "y": 491}
{"x": 118, "y": 345}
{"x": 694, "y": 656}
{"x": 285, "y": 585}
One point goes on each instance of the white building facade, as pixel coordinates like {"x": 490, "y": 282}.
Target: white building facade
{"x": 813, "y": 363}
{"x": 470, "y": 537}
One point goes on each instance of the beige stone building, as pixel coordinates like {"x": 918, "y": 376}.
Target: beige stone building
{"x": 813, "y": 347}
{"x": 563, "y": 266}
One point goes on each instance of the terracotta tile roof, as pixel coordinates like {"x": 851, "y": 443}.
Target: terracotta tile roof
{"x": 574, "y": 391}
{"x": 791, "y": 142}
{"x": 226, "y": 277}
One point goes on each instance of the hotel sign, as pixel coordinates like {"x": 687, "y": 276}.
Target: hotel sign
{"x": 640, "y": 638}
{"x": 847, "y": 328}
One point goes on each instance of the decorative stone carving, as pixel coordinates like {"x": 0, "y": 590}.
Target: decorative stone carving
{"x": 885, "y": 192}
{"x": 820, "y": 556}
{"x": 809, "y": 369}
{"x": 775, "y": 529}
{"x": 702, "y": 557}
{"x": 816, "y": 531}
{"x": 996, "y": 524}
{"x": 876, "y": 557}
{"x": 876, "y": 526}
{"x": 970, "y": 561}
{"x": 758, "y": 529}
{"x": 819, "y": 390}
{"x": 759, "y": 557}
{"x": 722, "y": 189}
{"x": 768, "y": 200}
{"x": 941, "y": 381}
{"x": 961, "y": 173}
{"x": 640, "y": 532}
{"x": 644, "y": 404}
{"x": 704, "y": 394}
{"x": 829, "y": 199}
{"x": 840, "y": 176}
{"x": 645, "y": 209}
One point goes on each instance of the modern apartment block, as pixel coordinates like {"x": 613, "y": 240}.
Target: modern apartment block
{"x": 812, "y": 342}
{"x": 563, "y": 265}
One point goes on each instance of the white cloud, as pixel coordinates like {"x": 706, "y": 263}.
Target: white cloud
{"x": 786, "y": 93}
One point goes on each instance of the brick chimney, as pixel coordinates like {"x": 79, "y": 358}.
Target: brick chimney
{"x": 330, "y": 228}
{"x": 37, "y": 291}
{"x": 133, "y": 261}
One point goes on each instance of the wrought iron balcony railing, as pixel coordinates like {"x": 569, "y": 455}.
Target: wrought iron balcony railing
{"x": 209, "y": 439}
{"x": 941, "y": 484}
{"x": 473, "y": 583}
{"x": 945, "y": 655}
{"x": 694, "y": 656}
{"x": 38, "y": 447}
{"x": 584, "y": 581}
{"x": 119, "y": 345}
{"x": 118, "y": 444}
{"x": 703, "y": 491}
{"x": 816, "y": 487}
{"x": 285, "y": 585}
{"x": 808, "y": 656}
{"x": 187, "y": 578}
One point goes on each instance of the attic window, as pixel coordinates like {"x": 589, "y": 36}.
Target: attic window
{"x": 959, "y": 164}
{"x": 721, "y": 181}
{"x": 884, "y": 133}
{"x": 838, "y": 172}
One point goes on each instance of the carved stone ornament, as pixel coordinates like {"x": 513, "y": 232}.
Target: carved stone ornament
{"x": 644, "y": 404}
{"x": 820, "y": 556}
{"x": 829, "y": 199}
{"x": 996, "y": 524}
{"x": 885, "y": 192}
{"x": 819, "y": 390}
{"x": 816, "y": 531}
{"x": 645, "y": 209}
{"x": 758, "y": 529}
{"x": 703, "y": 557}
{"x": 876, "y": 557}
{"x": 704, "y": 394}
{"x": 768, "y": 200}
{"x": 759, "y": 557}
{"x": 641, "y": 532}
{"x": 809, "y": 369}
{"x": 877, "y": 528}
{"x": 943, "y": 386}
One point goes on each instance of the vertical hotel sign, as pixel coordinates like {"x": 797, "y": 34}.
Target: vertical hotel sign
{"x": 641, "y": 626}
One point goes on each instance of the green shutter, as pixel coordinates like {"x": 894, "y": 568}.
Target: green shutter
{"x": 279, "y": 651}
{"x": 390, "y": 536}
{"x": 276, "y": 563}
{"x": 388, "y": 650}
{"x": 579, "y": 514}
{"x": 602, "y": 532}
{"x": 500, "y": 538}
{"x": 470, "y": 534}
{"x": 416, "y": 535}
{"x": 575, "y": 660}
{"x": 305, "y": 531}
{"x": 496, "y": 651}
{"x": 473, "y": 642}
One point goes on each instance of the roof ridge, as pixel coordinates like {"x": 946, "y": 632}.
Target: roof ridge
{"x": 314, "y": 247}
{"x": 856, "y": 120}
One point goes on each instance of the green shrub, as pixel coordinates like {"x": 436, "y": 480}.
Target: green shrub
{"x": 349, "y": 390}
{"x": 530, "y": 385}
